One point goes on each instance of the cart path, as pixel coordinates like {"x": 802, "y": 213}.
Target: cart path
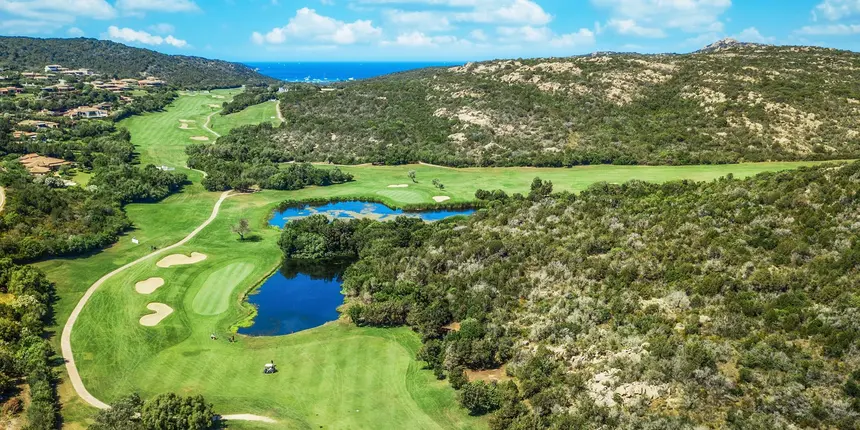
{"x": 66, "y": 339}
{"x": 2, "y": 198}
{"x": 208, "y": 120}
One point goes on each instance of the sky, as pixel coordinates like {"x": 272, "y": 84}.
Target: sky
{"x": 432, "y": 30}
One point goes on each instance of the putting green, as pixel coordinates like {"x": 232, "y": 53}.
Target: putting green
{"x": 213, "y": 297}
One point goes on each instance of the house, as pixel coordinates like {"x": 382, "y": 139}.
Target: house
{"x": 78, "y": 72}
{"x": 87, "y": 112}
{"x": 21, "y": 135}
{"x": 150, "y": 83}
{"x": 38, "y": 125}
{"x": 54, "y": 68}
{"x": 64, "y": 88}
{"x": 40, "y": 165}
{"x": 11, "y": 90}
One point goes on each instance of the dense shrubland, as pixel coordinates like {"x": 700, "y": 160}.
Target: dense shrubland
{"x": 244, "y": 159}
{"x": 25, "y": 310}
{"x": 724, "y": 304}
{"x": 745, "y": 103}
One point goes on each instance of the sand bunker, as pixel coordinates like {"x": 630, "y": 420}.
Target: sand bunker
{"x": 217, "y": 97}
{"x": 199, "y": 138}
{"x": 148, "y": 286}
{"x": 180, "y": 260}
{"x": 214, "y": 106}
{"x": 399, "y": 186}
{"x": 161, "y": 312}
{"x": 184, "y": 126}
{"x": 440, "y": 199}
{"x": 187, "y": 120}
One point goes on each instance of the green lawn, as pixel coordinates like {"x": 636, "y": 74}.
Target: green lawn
{"x": 337, "y": 375}
{"x": 257, "y": 114}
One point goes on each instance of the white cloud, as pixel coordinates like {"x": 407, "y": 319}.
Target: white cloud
{"x": 478, "y": 35}
{"x": 533, "y": 35}
{"x": 583, "y": 37}
{"x": 140, "y": 6}
{"x": 753, "y": 35}
{"x": 629, "y": 27}
{"x": 837, "y": 9}
{"x": 419, "y": 39}
{"x": 499, "y": 12}
{"x": 423, "y": 20}
{"x": 309, "y": 25}
{"x": 75, "y": 32}
{"x": 58, "y": 11}
{"x": 694, "y": 16}
{"x": 162, "y": 28}
{"x": 129, "y": 35}
{"x": 830, "y": 30}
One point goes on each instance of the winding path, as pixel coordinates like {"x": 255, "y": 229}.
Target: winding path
{"x": 66, "y": 339}
{"x": 208, "y": 120}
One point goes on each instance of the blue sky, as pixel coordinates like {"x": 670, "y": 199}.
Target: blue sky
{"x": 457, "y": 30}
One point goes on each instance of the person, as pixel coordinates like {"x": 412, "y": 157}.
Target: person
{"x": 212, "y": 336}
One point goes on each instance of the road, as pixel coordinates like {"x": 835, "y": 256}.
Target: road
{"x": 2, "y": 198}
{"x": 66, "y": 339}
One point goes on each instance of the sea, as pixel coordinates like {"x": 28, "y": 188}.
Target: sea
{"x": 330, "y": 72}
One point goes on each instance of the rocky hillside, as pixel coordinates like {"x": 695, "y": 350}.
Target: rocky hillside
{"x": 110, "y": 58}
{"x": 730, "y": 102}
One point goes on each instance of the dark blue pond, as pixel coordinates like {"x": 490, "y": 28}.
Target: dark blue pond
{"x": 297, "y": 297}
{"x": 358, "y": 209}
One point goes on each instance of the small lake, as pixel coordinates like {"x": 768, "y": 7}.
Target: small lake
{"x": 358, "y": 209}
{"x": 298, "y": 297}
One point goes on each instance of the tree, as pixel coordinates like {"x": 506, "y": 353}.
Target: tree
{"x": 479, "y": 397}
{"x": 438, "y": 184}
{"x": 411, "y": 175}
{"x": 122, "y": 415}
{"x": 242, "y": 228}
{"x": 172, "y": 412}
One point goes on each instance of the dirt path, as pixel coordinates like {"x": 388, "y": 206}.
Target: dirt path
{"x": 2, "y": 198}
{"x": 66, "y": 339}
{"x": 208, "y": 120}
{"x": 278, "y": 110}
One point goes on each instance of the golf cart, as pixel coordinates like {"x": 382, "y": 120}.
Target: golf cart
{"x": 269, "y": 368}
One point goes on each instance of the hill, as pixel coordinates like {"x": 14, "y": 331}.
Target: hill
{"x": 727, "y": 304}
{"x": 111, "y": 58}
{"x": 731, "y": 102}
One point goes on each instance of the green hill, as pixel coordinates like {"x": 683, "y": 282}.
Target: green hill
{"x": 110, "y": 58}
{"x": 728, "y": 103}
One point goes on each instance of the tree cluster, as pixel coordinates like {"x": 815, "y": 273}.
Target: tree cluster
{"x": 24, "y": 353}
{"x": 246, "y": 158}
{"x": 163, "y": 412}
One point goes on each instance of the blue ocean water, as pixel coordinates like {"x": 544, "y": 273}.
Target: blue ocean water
{"x": 358, "y": 209}
{"x": 328, "y": 72}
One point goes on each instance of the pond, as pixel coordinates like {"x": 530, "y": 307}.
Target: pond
{"x": 359, "y": 209}
{"x": 298, "y": 297}
{"x": 306, "y": 294}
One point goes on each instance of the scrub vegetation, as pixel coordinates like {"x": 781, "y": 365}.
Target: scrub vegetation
{"x": 730, "y": 303}
{"x": 741, "y": 103}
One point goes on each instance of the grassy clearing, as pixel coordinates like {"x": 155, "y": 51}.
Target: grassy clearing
{"x": 337, "y": 375}
{"x": 257, "y": 114}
